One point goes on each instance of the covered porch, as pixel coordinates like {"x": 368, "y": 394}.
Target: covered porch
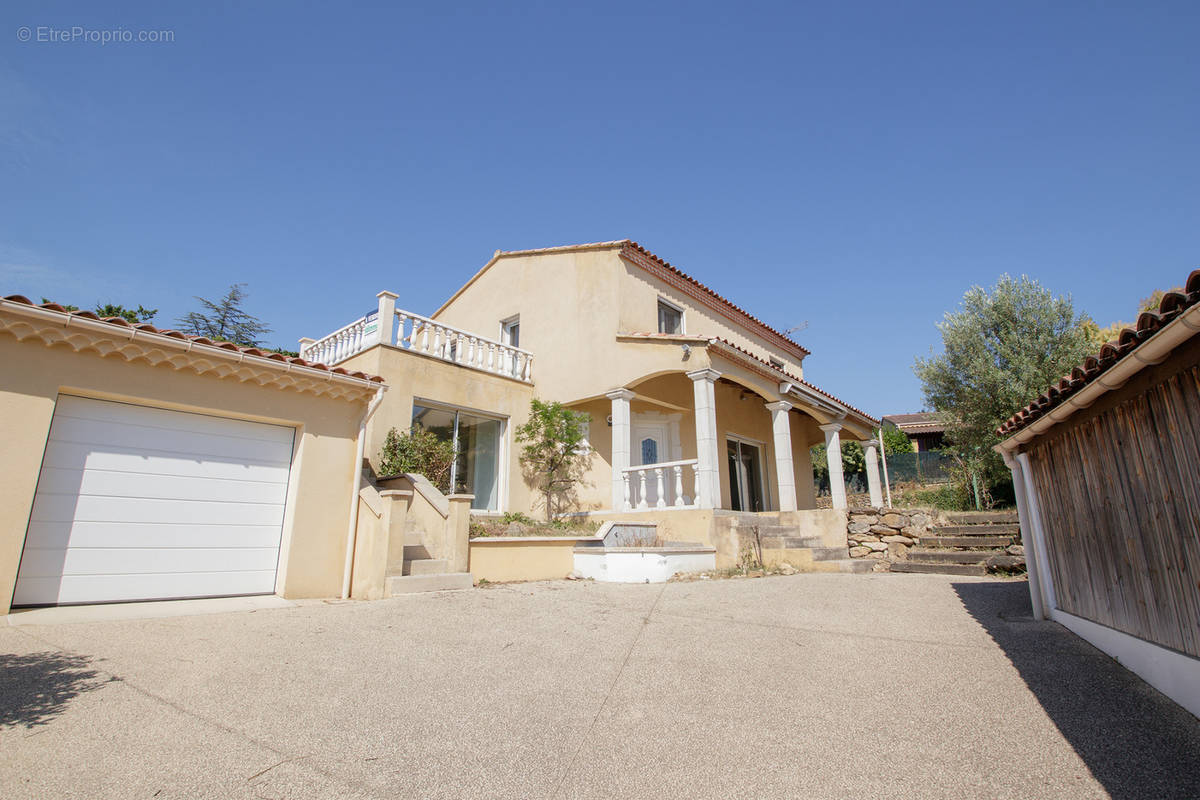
{"x": 733, "y": 434}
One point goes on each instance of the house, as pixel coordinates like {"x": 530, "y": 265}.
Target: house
{"x": 144, "y": 464}
{"x": 696, "y": 408}
{"x": 1106, "y": 465}
{"x": 926, "y": 432}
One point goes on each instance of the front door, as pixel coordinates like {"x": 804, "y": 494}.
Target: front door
{"x": 745, "y": 476}
{"x": 649, "y": 447}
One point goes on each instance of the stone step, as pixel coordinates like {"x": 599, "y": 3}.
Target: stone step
{"x": 857, "y": 566}
{"x": 965, "y": 541}
{"x": 1005, "y": 561}
{"x": 977, "y": 530}
{"x": 411, "y": 584}
{"x": 938, "y": 568}
{"x": 951, "y": 556}
{"x": 426, "y": 566}
{"x": 980, "y": 517}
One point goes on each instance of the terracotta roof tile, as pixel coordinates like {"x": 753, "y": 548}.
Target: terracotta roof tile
{"x": 1148, "y": 324}
{"x": 792, "y": 378}
{"x": 145, "y": 326}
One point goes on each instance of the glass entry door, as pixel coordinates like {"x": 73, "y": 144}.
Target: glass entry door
{"x": 477, "y": 440}
{"x": 745, "y": 476}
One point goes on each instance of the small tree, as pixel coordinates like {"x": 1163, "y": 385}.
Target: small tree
{"x": 1001, "y": 350}
{"x": 419, "y": 451}
{"x": 226, "y": 320}
{"x": 554, "y": 457}
{"x": 895, "y": 442}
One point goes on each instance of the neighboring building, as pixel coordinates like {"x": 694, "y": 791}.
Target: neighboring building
{"x": 142, "y": 464}
{"x": 1106, "y": 466}
{"x": 923, "y": 429}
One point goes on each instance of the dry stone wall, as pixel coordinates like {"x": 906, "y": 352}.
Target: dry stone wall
{"x": 887, "y": 534}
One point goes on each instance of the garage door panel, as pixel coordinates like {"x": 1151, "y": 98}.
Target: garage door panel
{"x": 67, "y": 508}
{"x": 184, "y": 444}
{"x": 164, "y": 487}
{"x": 125, "y": 561}
{"x": 70, "y": 455}
{"x": 144, "y": 417}
{"x": 87, "y": 588}
{"x": 59, "y": 535}
{"x": 135, "y": 503}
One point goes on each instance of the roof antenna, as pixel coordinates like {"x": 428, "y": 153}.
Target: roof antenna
{"x": 801, "y": 327}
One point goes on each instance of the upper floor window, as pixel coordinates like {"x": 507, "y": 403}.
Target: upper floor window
{"x": 775, "y": 362}
{"x": 510, "y": 331}
{"x": 670, "y": 317}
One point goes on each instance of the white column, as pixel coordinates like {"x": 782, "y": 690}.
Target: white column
{"x": 387, "y": 317}
{"x": 871, "y": 452}
{"x": 833, "y": 453}
{"x": 784, "y": 471}
{"x": 620, "y": 444}
{"x": 708, "y": 453}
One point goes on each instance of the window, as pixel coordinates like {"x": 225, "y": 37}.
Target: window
{"x": 477, "y": 440}
{"x": 670, "y": 317}
{"x": 775, "y": 362}
{"x": 510, "y": 331}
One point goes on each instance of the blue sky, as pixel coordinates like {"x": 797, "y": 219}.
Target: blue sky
{"x": 854, "y": 165}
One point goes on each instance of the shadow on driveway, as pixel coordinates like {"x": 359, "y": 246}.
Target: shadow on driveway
{"x": 35, "y": 687}
{"x": 1136, "y": 742}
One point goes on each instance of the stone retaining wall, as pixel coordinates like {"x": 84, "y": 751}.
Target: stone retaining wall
{"x": 886, "y": 533}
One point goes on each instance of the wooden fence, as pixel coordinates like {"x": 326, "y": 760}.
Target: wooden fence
{"x": 1119, "y": 489}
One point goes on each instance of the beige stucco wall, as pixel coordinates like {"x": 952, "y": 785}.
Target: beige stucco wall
{"x": 313, "y": 548}
{"x": 499, "y": 560}
{"x": 411, "y": 376}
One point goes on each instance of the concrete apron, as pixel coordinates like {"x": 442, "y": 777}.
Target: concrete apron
{"x": 60, "y": 615}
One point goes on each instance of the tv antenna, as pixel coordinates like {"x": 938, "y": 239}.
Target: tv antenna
{"x": 801, "y": 327}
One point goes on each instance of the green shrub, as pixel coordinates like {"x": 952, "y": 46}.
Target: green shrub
{"x": 419, "y": 451}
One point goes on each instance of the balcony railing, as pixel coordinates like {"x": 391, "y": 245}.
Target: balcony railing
{"x": 423, "y": 335}
{"x": 660, "y": 485}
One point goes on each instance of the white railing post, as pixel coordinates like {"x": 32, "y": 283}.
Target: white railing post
{"x": 625, "y": 506}
{"x": 679, "y": 498}
{"x": 642, "y": 489}
{"x": 387, "y": 318}
{"x": 661, "y": 502}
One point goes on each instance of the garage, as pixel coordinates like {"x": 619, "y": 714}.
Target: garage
{"x": 142, "y": 503}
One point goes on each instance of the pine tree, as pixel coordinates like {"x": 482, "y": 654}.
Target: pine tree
{"x": 226, "y": 320}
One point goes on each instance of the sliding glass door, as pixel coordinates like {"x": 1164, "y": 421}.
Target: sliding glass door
{"x": 477, "y": 444}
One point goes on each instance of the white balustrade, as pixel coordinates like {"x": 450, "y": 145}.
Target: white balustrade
{"x": 425, "y": 336}
{"x": 659, "y": 485}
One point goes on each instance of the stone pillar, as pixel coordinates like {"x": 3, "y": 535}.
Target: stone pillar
{"x": 708, "y": 452}
{"x": 458, "y": 532}
{"x": 620, "y": 444}
{"x": 386, "y": 322}
{"x": 833, "y": 448}
{"x": 781, "y": 425}
{"x": 871, "y": 452}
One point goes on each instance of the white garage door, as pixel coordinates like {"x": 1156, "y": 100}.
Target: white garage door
{"x": 137, "y": 503}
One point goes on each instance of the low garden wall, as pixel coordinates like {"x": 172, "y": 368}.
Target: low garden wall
{"x": 499, "y": 559}
{"x": 886, "y": 533}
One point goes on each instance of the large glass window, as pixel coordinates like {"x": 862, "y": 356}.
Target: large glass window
{"x": 670, "y": 318}
{"x": 476, "y": 439}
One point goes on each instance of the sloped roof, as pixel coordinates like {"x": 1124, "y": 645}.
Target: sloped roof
{"x": 1130, "y": 339}
{"x": 636, "y": 254}
{"x": 148, "y": 328}
{"x": 920, "y": 422}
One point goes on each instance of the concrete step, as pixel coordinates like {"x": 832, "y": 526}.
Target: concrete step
{"x": 951, "y": 556}
{"x": 411, "y": 584}
{"x": 938, "y": 568}
{"x": 980, "y": 517}
{"x": 965, "y": 541}
{"x": 857, "y": 566}
{"x": 977, "y": 530}
{"x": 412, "y": 552}
{"x": 830, "y": 553}
{"x": 791, "y": 542}
{"x": 426, "y": 566}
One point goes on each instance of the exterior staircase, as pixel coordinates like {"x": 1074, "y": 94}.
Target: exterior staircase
{"x": 420, "y": 572}
{"x": 968, "y": 543}
{"x": 782, "y": 541}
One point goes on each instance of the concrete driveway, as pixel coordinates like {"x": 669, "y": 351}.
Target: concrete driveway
{"x": 807, "y": 686}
